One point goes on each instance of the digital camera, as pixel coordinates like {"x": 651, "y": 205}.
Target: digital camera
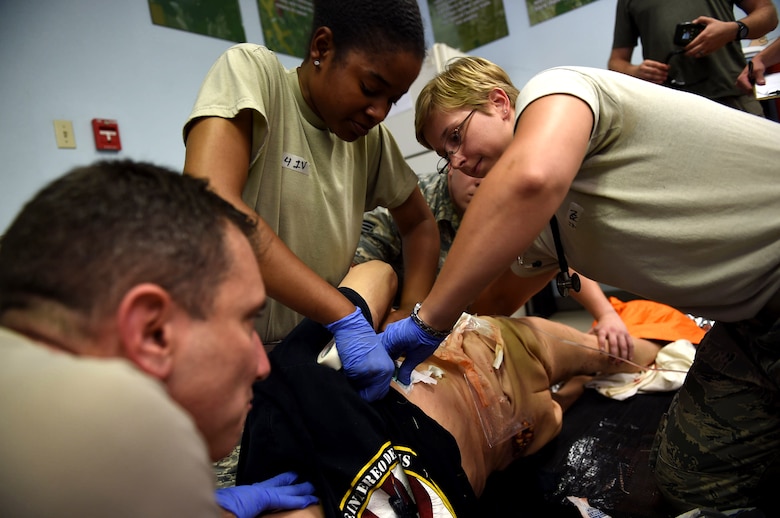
{"x": 685, "y": 32}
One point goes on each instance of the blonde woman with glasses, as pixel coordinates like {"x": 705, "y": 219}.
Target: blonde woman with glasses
{"x": 658, "y": 192}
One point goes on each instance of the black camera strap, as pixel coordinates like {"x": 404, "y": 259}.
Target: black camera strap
{"x": 563, "y": 281}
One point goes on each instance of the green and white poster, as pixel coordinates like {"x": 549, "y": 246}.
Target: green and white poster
{"x": 541, "y": 10}
{"x": 286, "y": 25}
{"x": 467, "y": 24}
{"x": 217, "y": 18}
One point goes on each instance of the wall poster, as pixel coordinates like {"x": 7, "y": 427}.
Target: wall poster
{"x": 216, "y": 18}
{"x": 467, "y": 24}
{"x": 541, "y": 10}
{"x": 286, "y": 25}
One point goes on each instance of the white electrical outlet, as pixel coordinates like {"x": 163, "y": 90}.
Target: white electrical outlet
{"x": 63, "y": 130}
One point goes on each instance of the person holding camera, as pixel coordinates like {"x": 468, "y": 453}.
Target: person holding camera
{"x": 692, "y": 46}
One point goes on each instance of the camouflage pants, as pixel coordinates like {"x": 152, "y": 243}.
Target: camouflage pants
{"x": 719, "y": 443}
{"x": 225, "y": 469}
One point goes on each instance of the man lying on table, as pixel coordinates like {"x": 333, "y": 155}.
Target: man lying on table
{"x": 427, "y": 449}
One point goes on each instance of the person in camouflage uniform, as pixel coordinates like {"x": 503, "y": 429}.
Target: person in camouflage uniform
{"x": 691, "y": 457}
{"x": 380, "y": 238}
{"x": 225, "y": 469}
{"x": 448, "y": 195}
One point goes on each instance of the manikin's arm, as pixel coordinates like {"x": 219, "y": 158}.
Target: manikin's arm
{"x": 611, "y": 332}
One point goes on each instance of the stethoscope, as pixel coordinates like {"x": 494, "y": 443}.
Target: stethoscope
{"x": 563, "y": 281}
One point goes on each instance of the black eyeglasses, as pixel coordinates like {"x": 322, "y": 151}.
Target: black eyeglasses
{"x": 452, "y": 143}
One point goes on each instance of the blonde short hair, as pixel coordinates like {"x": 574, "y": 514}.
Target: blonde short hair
{"x": 465, "y": 83}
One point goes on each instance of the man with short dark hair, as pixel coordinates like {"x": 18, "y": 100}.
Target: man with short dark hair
{"x": 128, "y": 295}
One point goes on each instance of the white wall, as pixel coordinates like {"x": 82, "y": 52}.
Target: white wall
{"x": 85, "y": 59}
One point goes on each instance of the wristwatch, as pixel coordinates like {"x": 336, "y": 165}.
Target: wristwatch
{"x": 742, "y": 31}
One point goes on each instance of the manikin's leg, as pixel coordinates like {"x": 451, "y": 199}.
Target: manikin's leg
{"x": 570, "y": 391}
{"x": 570, "y": 352}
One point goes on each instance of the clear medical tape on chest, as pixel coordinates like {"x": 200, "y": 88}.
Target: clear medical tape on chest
{"x": 498, "y": 417}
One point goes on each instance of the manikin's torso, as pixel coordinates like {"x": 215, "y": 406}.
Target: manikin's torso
{"x": 451, "y": 404}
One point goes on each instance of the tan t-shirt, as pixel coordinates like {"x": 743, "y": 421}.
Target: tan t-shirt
{"x": 677, "y": 200}
{"x": 311, "y": 187}
{"x": 94, "y": 437}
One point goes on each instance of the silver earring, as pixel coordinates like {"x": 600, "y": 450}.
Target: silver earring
{"x": 316, "y": 62}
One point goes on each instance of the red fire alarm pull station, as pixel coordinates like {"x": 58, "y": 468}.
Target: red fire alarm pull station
{"x": 106, "y": 134}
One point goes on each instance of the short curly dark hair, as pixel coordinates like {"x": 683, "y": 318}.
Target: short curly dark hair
{"x": 372, "y": 25}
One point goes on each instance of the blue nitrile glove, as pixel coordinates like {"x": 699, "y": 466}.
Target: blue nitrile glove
{"x": 404, "y": 337}
{"x": 362, "y": 355}
{"x": 277, "y": 493}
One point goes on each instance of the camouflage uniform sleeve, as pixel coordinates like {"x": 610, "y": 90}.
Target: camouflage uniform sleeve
{"x": 379, "y": 238}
